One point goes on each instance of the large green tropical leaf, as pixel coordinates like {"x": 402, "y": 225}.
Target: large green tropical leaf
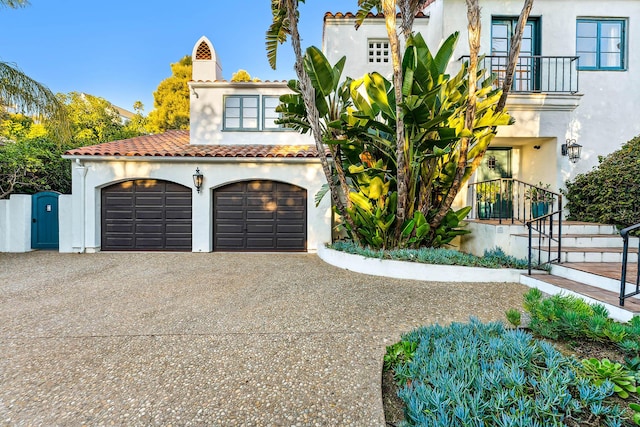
{"x": 415, "y": 62}
{"x": 377, "y": 87}
{"x": 320, "y": 71}
{"x": 443, "y": 57}
{"x": 14, "y": 3}
{"x": 360, "y": 103}
{"x": 278, "y": 30}
{"x": 365, "y": 7}
{"x": 28, "y": 96}
{"x": 337, "y": 73}
{"x": 324, "y": 189}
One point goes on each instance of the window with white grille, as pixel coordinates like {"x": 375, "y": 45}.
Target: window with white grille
{"x": 378, "y": 51}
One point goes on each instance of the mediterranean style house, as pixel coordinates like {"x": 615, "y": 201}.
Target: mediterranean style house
{"x": 237, "y": 181}
{"x": 575, "y": 80}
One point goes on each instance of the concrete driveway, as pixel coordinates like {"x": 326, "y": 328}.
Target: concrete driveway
{"x": 217, "y": 339}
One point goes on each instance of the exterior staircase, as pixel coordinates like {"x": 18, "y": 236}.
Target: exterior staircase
{"x": 590, "y": 268}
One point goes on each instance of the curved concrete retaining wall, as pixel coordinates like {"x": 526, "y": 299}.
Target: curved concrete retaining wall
{"x": 416, "y": 271}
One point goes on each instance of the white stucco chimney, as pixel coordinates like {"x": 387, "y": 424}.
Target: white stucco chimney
{"x": 206, "y": 65}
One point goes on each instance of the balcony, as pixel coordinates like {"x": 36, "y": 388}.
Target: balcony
{"x": 535, "y": 74}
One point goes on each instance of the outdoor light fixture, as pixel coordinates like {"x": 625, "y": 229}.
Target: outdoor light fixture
{"x": 197, "y": 179}
{"x": 572, "y": 149}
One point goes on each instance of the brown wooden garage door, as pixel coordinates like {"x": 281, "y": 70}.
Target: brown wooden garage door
{"x": 146, "y": 215}
{"x": 260, "y": 216}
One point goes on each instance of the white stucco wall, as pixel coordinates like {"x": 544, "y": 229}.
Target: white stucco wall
{"x": 65, "y": 225}
{"x": 605, "y": 117}
{"x": 485, "y": 237}
{"x": 541, "y": 120}
{"x": 602, "y": 118}
{"x": 15, "y": 223}
{"x": 207, "y": 113}
{"x": 4, "y": 224}
{"x": 86, "y": 203}
{"x": 340, "y": 39}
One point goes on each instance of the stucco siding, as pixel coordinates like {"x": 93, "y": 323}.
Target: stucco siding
{"x": 207, "y": 115}
{"x": 306, "y": 174}
{"x": 601, "y": 117}
{"x": 605, "y": 117}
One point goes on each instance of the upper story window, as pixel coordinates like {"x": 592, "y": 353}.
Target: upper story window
{"x": 527, "y": 74}
{"x": 378, "y": 51}
{"x": 241, "y": 112}
{"x": 269, "y": 114}
{"x": 251, "y": 112}
{"x": 600, "y": 44}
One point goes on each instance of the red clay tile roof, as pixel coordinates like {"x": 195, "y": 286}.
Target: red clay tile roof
{"x": 175, "y": 143}
{"x": 350, "y": 15}
{"x": 229, "y": 81}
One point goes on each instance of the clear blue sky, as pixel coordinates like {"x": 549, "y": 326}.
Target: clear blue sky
{"x": 121, "y": 50}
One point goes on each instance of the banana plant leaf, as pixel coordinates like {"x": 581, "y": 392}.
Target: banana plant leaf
{"x": 320, "y": 71}
{"x": 377, "y": 88}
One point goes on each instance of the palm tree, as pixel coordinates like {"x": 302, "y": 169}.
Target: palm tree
{"x": 285, "y": 22}
{"x": 388, "y": 8}
{"x": 21, "y": 92}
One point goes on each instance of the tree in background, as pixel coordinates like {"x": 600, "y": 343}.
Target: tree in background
{"x": 243, "y": 76}
{"x": 21, "y": 93}
{"x": 31, "y": 153}
{"x": 30, "y": 158}
{"x": 138, "y": 124}
{"x": 171, "y": 99}
{"x": 93, "y": 119}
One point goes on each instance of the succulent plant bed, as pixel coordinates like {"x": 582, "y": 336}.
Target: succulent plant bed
{"x": 563, "y": 368}
{"x": 494, "y": 258}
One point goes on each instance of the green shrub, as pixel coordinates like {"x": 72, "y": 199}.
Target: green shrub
{"x": 610, "y": 192}
{"x": 484, "y": 374}
{"x": 495, "y": 258}
{"x": 514, "y": 317}
{"x": 568, "y": 317}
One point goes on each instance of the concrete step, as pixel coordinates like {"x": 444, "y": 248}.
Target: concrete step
{"x": 552, "y": 285}
{"x": 582, "y": 275}
{"x": 568, "y": 227}
{"x": 574, "y": 227}
{"x": 584, "y": 240}
{"x": 572, "y": 254}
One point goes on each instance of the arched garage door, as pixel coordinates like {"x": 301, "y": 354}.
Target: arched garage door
{"x": 260, "y": 216}
{"x": 149, "y": 215}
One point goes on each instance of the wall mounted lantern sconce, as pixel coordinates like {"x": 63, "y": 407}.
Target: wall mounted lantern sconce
{"x": 572, "y": 149}
{"x": 197, "y": 179}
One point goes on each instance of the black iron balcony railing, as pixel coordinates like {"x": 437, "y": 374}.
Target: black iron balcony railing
{"x": 535, "y": 74}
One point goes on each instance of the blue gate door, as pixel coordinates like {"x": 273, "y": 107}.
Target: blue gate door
{"x": 44, "y": 220}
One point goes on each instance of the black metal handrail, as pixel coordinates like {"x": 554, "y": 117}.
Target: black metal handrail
{"x": 544, "y": 228}
{"x": 536, "y": 207}
{"x": 536, "y": 73}
{"x": 511, "y": 200}
{"x": 624, "y": 233}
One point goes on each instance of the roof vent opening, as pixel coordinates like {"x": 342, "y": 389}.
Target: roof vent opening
{"x": 203, "y": 52}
